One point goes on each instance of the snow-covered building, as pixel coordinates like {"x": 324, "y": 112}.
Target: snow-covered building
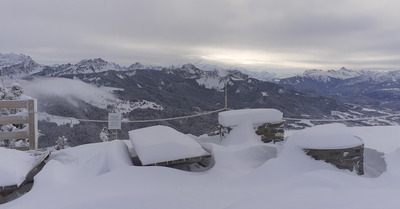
{"x": 334, "y": 144}
{"x": 162, "y": 145}
{"x": 267, "y": 123}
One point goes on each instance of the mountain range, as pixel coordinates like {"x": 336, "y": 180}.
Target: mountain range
{"x": 91, "y": 88}
{"x": 376, "y": 89}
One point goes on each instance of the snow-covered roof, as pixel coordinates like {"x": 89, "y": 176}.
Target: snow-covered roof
{"x": 331, "y": 136}
{"x": 255, "y": 116}
{"x": 157, "y": 144}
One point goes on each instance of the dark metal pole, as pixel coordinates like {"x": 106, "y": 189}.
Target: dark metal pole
{"x": 226, "y": 97}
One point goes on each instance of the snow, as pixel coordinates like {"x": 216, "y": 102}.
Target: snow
{"x": 13, "y": 171}
{"x": 242, "y": 134}
{"x": 57, "y": 120}
{"x": 325, "y": 76}
{"x": 157, "y": 144}
{"x": 380, "y": 138}
{"x": 342, "y": 115}
{"x": 249, "y": 175}
{"x": 94, "y": 159}
{"x": 255, "y": 116}
{"x": 331, "y": 136}
{"x": 7, "y": 60}
{"x": 211, "y": 82}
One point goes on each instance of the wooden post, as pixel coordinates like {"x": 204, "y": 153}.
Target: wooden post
{"x": 33, "y": 132}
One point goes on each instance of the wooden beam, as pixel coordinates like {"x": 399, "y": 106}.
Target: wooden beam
{"x": 33, "y": 131}
{"x": 13, "y": 104}
{"x": 13, "y": 120}
{"x": 14, "y": 135}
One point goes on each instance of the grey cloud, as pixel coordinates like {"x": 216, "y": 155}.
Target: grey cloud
{"x": 307, "y": 32}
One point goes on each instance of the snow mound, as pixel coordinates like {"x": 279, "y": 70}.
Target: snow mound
{"x": 84, "y": 162}
{"x": 255, "y": 116}
{"x": 14, "y": 165}
{"x": 161, "y": 143}
{"x": 331, "y": 136}
{"x": 242, "y": 134}
{"x": 242, "y": 158}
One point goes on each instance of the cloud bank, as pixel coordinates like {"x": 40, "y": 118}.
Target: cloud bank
{"x": 257, "y": 34}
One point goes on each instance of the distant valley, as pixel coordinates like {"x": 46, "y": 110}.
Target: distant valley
{"x": 378, "y": 90}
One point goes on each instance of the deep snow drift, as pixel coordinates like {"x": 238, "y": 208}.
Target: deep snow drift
{"x": 14, "y": 165}
{"x": 247, "y": 175}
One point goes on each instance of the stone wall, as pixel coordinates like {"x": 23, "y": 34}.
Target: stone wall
{"x": 271, "y": 132}
{"x": 350, "y": 158}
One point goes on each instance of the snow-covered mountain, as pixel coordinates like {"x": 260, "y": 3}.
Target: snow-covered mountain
{"x": 18, "y": 65}
{"x": 141, "y": 93}
{"x": 352, "y": 76}
{"x": 22, "y": 65}
{"x": 215, "y": 79}
{"x": 83, "y": 67}
{"x": 260, "y": 75}
{"x": 138, "y": 65}
{"x": 325, "y": 76}
{"x": 376, "y": 88}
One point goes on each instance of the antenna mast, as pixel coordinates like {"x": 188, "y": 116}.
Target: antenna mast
{"x": 226, "y": 97}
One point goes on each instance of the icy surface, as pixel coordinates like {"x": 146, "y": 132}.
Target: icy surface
{"x": 157, "y": 144}
{"x": 14, "y": 165}
{"x": 244, "y": 176}
{"x": 331, "y": 136}
{"x": 255, "y": 116}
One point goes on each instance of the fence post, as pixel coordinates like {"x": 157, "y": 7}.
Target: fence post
{"x": 33, "y": 131}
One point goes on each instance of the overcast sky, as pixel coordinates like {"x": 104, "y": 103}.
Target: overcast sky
{"x": 256, "y": 34}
